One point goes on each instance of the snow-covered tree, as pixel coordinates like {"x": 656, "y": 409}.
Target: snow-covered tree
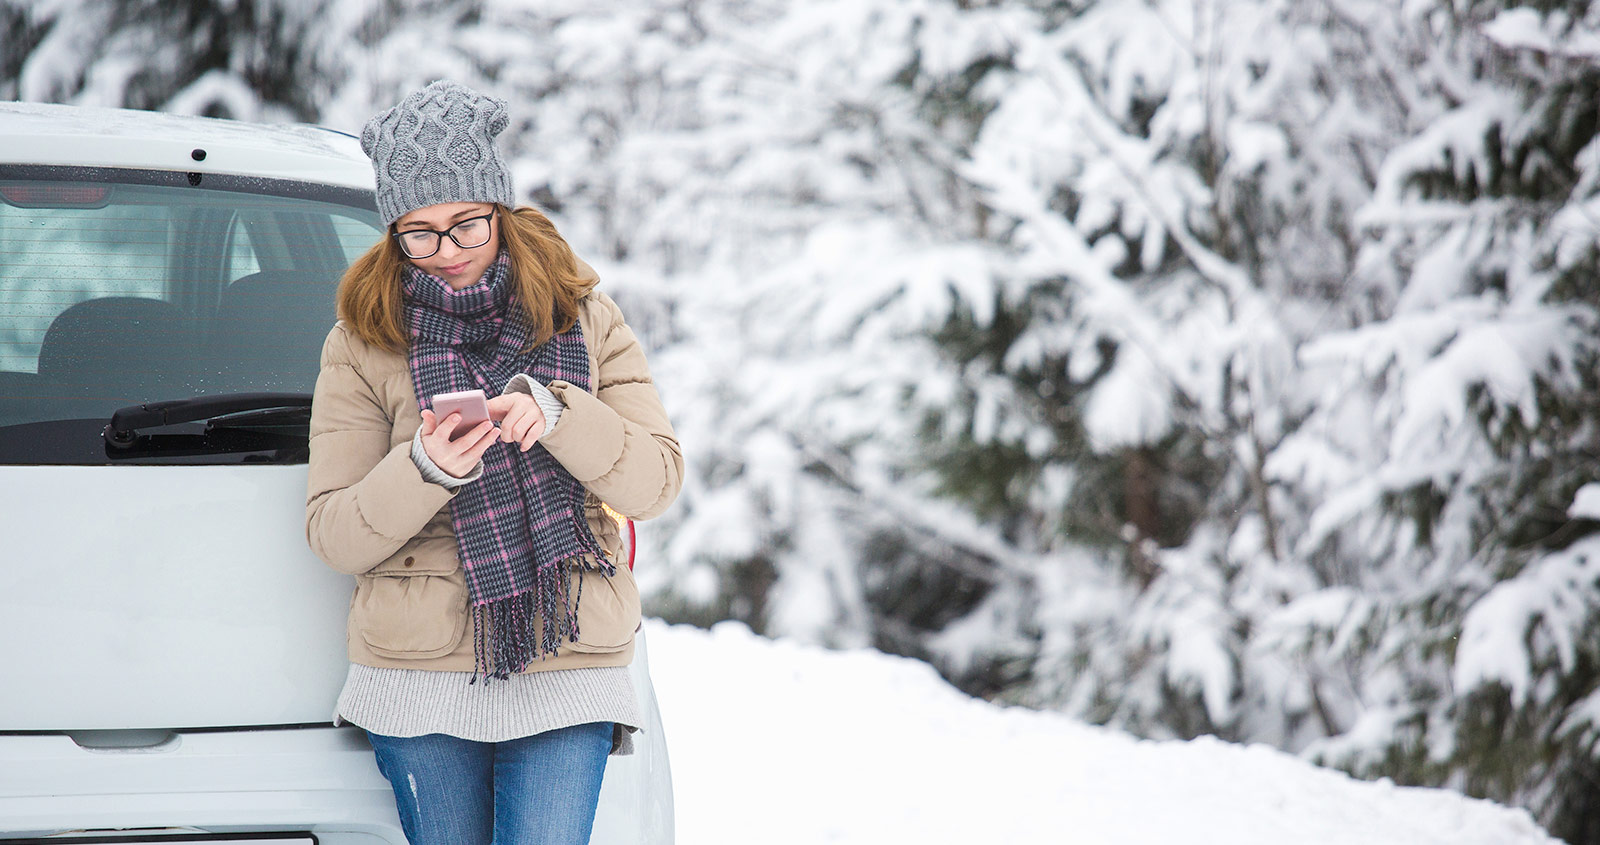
{"x": 1291, "y": 384}
{"x": 1194, "y": 366}
{"x": 1464, "y": 406}
{"x": 1171, "y": 185}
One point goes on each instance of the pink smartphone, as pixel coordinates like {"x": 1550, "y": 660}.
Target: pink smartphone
{"x": 474, "y": 409}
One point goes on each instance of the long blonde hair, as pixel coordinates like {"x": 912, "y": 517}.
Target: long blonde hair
{"x": 549, "y": 280}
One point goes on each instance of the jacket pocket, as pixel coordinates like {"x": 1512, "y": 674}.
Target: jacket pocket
{"x": 412, "y": 616}
{"x": 608, "y": 612}
{"x": 426, "y": 554}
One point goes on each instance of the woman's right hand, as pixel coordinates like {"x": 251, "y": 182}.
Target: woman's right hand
{"x": 456, "y": 457}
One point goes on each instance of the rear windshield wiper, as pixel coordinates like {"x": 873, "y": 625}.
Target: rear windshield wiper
{"x": 123, "y": 430}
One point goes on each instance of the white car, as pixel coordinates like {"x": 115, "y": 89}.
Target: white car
{"x": 175, "y": 649}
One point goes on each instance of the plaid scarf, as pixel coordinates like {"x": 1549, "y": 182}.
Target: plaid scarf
{"x": 521, "y": 527}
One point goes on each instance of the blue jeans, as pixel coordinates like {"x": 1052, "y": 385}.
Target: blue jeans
{"x": 539, "y": 790}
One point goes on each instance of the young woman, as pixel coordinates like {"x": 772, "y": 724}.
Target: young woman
{"x": 491, "y": 626}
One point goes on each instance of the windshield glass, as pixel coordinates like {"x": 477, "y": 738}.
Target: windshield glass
{"x": 124, "y": 287}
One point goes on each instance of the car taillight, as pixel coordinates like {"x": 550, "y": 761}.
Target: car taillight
{"x": 55, "y": 195}
{"x": 625, "y": 525}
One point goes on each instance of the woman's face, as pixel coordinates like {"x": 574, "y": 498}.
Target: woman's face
{"x": 459, "y": 266}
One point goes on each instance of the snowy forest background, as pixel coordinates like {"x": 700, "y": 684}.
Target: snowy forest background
{"x": 1189, "y": 366}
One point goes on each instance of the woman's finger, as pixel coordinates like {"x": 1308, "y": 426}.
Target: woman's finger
{"x": 429, "y": 422}
{"x": 445, "y": 452}
{"x": 524, "y": 422}
{"x": 534, "y": 432}
{"x": 457, "y": 457}
{"x": 447, "y": 426}
{"x": 474, "y": 437}
{"x": 480, "y": 440}
{"x": 501, "y": 406}
{"x": 524, "y": 425}
{"x": 509, "y": 426}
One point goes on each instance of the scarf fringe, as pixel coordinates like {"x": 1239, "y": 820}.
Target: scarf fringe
{"x": 510, "y": 633}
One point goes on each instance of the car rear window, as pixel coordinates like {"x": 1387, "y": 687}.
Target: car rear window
{"x": 119, "y": 288}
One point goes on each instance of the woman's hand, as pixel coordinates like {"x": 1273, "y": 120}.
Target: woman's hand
{"x": 521, "y": 419}
{"x": 455, "y": 457}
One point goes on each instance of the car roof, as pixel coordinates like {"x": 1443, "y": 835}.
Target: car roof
{"x": 50, "y": 134}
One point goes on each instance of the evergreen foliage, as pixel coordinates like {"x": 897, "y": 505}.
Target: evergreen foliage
{"x": 1192, "y": 367}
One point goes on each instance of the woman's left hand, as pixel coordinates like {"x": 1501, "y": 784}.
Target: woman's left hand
{"x": 521, "y": 420}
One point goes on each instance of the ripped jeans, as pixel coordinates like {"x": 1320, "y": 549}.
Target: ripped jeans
{"x": 538, "y": 790}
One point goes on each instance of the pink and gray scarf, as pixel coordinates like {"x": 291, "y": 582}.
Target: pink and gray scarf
{"x": 521, "y": 527}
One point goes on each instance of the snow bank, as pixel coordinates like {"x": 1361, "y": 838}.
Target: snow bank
{"x": 781, "y": 743}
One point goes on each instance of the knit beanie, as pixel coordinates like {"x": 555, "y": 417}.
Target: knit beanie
{"x": 437, "y": 145}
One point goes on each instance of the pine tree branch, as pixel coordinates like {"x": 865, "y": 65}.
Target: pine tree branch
{"x": 907, "y": 512}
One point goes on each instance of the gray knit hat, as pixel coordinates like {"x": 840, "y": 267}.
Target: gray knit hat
{"x": 437, "y": 145}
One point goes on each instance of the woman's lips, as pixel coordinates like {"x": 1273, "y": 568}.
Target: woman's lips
{"x": 455, "y": 269}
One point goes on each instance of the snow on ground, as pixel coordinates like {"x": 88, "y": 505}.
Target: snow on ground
{"x": 780, "y": 743}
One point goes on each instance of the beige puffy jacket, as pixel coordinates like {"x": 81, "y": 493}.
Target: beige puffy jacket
{"x": 370, "y": 513}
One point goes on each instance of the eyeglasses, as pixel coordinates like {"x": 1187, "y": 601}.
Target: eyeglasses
{"x": 470, "y": 233}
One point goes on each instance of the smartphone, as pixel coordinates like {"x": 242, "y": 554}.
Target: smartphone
{"x": 471, "y": 404}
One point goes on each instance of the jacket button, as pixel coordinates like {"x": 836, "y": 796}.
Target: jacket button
{"x": 411, "y": 561}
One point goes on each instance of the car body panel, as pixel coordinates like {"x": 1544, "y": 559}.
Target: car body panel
{"x": 42, "y": 133}
{"x": 188, "y": 590}
{"x": 323, "y": 780}
{"x": 318, "y": 779}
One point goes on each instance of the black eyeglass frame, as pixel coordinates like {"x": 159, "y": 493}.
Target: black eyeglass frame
{"x": 438, "y": 236}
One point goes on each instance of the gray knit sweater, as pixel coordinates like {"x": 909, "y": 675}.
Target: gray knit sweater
{"x": 414, "y": 702}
